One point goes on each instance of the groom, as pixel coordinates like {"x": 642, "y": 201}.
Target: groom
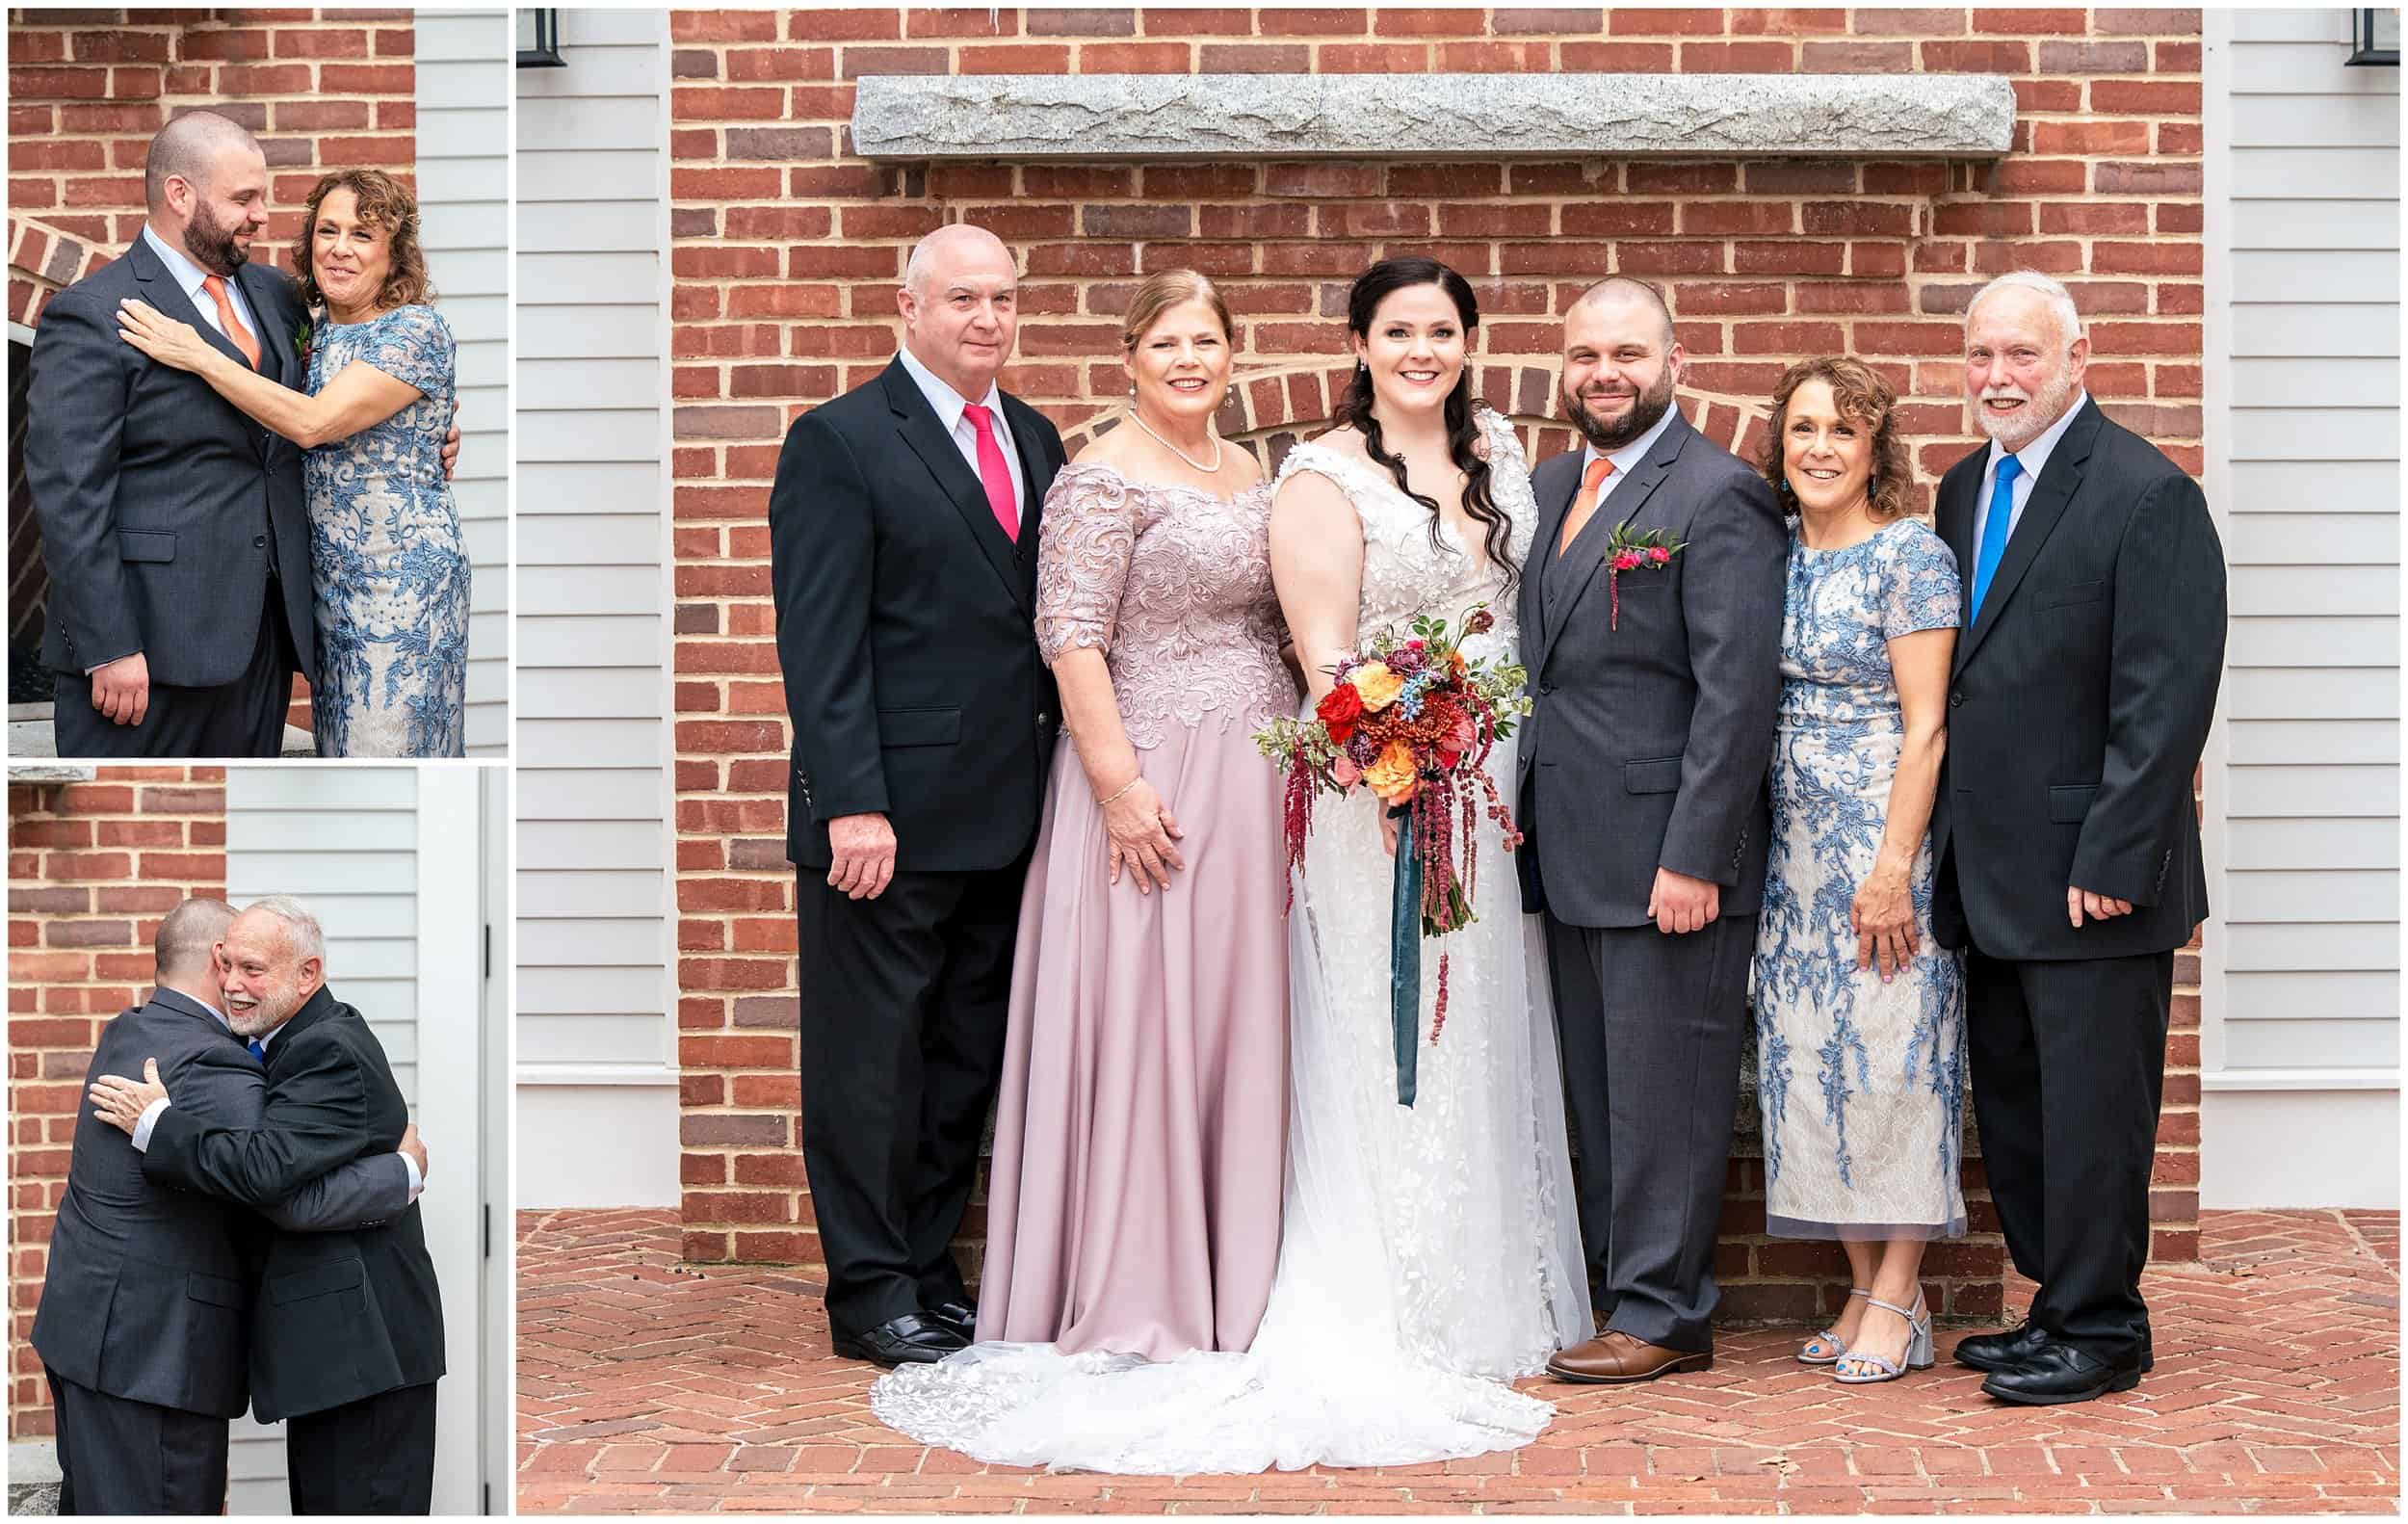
{"x": 174, "y": 529}
{"x": 1644, "y": 794}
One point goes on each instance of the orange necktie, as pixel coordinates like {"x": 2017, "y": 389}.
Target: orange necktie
{"x": 232, "y": 325}
{"x": 1586, "y": 503}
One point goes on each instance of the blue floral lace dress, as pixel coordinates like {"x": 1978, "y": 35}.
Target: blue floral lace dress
{"x": 386, "y": 553}
{"x": 1861, "y": 1084}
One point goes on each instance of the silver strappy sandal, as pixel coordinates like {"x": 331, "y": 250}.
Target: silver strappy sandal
{"x": 1919, "y": 1352}
{"x": 1829, "y": 1339}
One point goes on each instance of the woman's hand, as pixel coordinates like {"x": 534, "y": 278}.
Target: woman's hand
{"x": 162, "y": 337}
{"x": 1882, "y": 915}
{"x": 1144, "y": 837}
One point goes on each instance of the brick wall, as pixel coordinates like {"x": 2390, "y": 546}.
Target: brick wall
{"x": 786, "y": 248}
{"x": 323, "y": 90}
{"x": 91, "y": 868}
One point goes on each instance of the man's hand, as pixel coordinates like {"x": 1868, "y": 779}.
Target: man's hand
{"x": 1680, "y": 904}
{"x": 122, "y": 689}
{"x": 451, "y": 443}
{"x": 416, "y": 1146}
{"x": 121, "y": 1102}
{"x": 2080, "y": 903}
{"x": 863, "y": 846}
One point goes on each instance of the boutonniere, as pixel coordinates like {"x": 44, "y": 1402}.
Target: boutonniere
{"x": 300, "y": 342}
{"x": 1642, "y": 550}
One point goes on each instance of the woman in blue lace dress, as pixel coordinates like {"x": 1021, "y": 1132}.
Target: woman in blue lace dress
{"x": 386, "y": 553}
{"x": 1859, "y": 1013}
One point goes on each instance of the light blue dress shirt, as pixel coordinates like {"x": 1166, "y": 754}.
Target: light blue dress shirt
{"x": 190, "y": 275}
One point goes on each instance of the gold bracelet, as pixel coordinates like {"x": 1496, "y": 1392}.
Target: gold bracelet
{"x": 1123, "y": 789}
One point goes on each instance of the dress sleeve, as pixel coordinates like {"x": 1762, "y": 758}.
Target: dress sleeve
{"x": 1087, "y": 537}
{"x": 1924, "y": 592}
{"x": 414, "y": 347}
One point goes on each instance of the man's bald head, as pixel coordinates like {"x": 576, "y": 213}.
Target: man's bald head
{"x": 183, "y": 950}
{"x": 1618, "y": 289}
{"x": 190, "y": 149}
{"x": 953, "y": 246}
{"x": 960, "y": 307}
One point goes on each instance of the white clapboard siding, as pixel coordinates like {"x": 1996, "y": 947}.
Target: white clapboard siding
{"x": 464, "y": 193}
{"x": 2301, "y": 1018}
{"x": 596, "y": 1044}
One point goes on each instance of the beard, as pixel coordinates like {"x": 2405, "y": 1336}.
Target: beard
{"x": 275, "y": 1006}
{"x": 1647, "y": 409}
{"x": 211, "y": 243}
{"x": 2046, "y": 406}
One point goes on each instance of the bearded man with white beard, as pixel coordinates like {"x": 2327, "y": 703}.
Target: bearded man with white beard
{"x": 2065, "y": 831}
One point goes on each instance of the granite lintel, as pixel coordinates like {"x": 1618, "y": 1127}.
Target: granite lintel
{"x": 1432, "y": 116}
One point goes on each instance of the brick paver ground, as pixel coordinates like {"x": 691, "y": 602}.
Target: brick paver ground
{"x": 645, "y": 1385}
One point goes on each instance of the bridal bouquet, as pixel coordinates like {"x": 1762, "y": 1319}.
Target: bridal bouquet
{"x": 1413, "y": 720}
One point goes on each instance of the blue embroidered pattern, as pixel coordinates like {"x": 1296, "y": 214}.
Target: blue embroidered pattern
{"x": 1881, "y": 1148}
{"x": 389, "y": 562}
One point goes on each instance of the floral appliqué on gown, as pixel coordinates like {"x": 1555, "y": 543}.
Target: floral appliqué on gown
{"x": 386, "y": 553}
{"x": 1861, "y": 1083}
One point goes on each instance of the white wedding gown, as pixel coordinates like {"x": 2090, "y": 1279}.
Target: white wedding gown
{"x": 1425, "y": 1254}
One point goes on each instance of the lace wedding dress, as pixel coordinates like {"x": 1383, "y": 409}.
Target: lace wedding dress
{"x": 1427, "y": 1254}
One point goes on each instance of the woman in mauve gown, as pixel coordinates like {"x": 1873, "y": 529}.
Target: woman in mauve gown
{"x": 1139, "y": 1137}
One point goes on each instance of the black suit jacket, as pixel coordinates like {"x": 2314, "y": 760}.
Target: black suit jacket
{"x": 148, "y": 1291}
{"x": 342, "y": 1316}
{"x": 2079, "y": 704}
{"x": 162, "y": 508}
{"x": 1651, "y": 741}
{"x": 907, "y": 630}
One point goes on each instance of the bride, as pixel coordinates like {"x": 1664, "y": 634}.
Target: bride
{"x": 1428, "y": 1255}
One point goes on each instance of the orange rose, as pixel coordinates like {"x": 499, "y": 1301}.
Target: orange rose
{"x": 1377, "y": 685}
{"x": 1394, "y": 777}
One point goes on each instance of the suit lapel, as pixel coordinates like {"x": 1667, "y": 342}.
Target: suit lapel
{"x": 2056, "y": 488}
{"x": 917, "y": 422}
{"x": 275, "y": 347}
{"x": 1621, "y": 505}
{"x": 1037, "y": 479}
{"x": 161, "y": 290}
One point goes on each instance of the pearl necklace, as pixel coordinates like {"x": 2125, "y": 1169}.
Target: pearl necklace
{"x": 1212, "y": 470}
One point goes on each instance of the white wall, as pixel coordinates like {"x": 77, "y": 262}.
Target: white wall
{"x": 391, "y": 860}
{"x": 463, "y": 196}
{"x": 2300, "y": 992}
{"x": 596, "y": 1044}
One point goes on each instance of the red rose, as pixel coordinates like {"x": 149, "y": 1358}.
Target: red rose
{"x": 1658, "y": 554}
{"x": 1625, "y": 559}
{"x": 1340, "y": 711}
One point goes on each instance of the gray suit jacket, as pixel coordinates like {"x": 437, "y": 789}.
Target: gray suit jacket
{"x": 162, "y": 507}
{"x": 1652, "y": 737}
{"x": 150, "y": 1289}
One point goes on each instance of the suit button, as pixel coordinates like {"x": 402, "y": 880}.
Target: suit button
{"x": 258, "y": 540}
{"x": 1545, "y": 689}
{"x": 1956, "y": 699}
{"x": 1043, "y": 719}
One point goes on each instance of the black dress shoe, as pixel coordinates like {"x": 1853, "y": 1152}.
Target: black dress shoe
{"x": 1999, "y": 1352}
{"x": 2058, "y": 1373}
{"x": 909, "y": 1340}
{"x": 959, "y": 1315}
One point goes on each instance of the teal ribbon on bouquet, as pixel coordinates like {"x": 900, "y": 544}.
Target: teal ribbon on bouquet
{"x": 1404, "y": 954}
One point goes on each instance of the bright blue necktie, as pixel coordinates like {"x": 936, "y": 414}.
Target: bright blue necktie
{"x": 259, "y": 1050}
{"x": 1994, "y": 532}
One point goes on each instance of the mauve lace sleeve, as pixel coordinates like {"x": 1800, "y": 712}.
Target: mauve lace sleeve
{"x": 1089, "y": 533}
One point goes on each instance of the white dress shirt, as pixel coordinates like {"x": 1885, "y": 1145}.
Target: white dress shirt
{"x": 949, "y": 405}
{"x": 190, "y": 275}
{"x": 2034, "y": 459}
{"x": 1625, "y": 459}
{"x": 150, "y": 1113}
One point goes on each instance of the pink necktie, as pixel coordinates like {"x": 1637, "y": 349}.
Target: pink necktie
{"x": 993, "y": 474}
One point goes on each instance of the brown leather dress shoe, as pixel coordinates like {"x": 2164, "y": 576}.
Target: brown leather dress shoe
{"x": 1612, "y": 1359}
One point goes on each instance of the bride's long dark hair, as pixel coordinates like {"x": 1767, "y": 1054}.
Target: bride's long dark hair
{"x": 1354, "y": 406}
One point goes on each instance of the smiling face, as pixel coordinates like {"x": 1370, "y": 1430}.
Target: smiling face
{"x": 1180, "y": 364}
{"x": 1414, "y": 349}
{"x": 265, "y": 978}
{"x": 225, "y": 212}
{"x": 962, "y": 312}
{"x": 2022, "y": 370}
{"x": 1620, "y": 366}
{"x": 1825, "y": 455}
{"x": 349, "y": 256}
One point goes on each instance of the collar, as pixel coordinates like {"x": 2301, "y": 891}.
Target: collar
{"x": 2034, "y": 457}
{"x": 187, "y": 275}
{"x": 1626, "y": 458}
{"x": 947, "y": 402}
{"x": 173, "y": 996}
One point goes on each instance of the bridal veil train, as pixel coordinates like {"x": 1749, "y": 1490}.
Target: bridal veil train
{"x": 1428, "y": 1255}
